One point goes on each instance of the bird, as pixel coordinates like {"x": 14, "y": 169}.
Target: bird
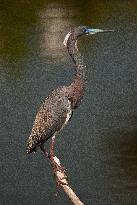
{"x": 58, "y": 107}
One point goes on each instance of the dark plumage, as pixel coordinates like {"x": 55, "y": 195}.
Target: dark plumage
{"x": 57, "y": 109}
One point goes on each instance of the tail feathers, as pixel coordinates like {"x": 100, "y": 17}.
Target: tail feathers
{"x": 30, "y": 150}
{"x": 31, "y": 144}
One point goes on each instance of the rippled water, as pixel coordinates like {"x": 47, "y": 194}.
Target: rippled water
{"x": 99, "y": 145}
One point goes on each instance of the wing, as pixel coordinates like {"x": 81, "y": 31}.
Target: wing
{"x": 52, "y": 116}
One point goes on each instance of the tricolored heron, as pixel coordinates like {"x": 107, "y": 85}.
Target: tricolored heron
{"x": 58, "y": 107}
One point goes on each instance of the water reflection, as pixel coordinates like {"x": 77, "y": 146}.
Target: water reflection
{"x": 54, "y": 19}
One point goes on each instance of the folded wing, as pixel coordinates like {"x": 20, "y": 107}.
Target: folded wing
{"x": 51, "y": 117}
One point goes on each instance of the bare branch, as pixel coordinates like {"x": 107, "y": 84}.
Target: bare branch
{"x": 63, "y": 182}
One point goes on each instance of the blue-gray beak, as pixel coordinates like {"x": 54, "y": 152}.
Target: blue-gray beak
{"x": 94, "y": 31}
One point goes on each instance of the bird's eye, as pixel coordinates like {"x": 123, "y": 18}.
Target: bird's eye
{"x": 85, "y": 30}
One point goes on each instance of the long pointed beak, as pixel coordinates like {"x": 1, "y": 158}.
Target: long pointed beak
{"x": 94, "y": 31}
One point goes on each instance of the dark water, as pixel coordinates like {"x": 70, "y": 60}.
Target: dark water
{"x": 99, "y": 146}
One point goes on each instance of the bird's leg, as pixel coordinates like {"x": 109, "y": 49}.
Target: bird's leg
{"x": 44, "y": 151}
{"x": 51, "y": 155}
{"x": 55, "y": 165}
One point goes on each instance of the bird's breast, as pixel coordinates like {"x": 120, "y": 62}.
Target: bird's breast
{"x": 76, "y": 92}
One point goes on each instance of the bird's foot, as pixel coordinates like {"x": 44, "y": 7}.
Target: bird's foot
{"x": 60, "y": 168}
{"x": 60, "y": 182}
{"x": 63, "y": 180}
{"x": 57, "y": 168}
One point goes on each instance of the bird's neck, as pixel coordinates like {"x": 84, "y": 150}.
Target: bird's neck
{"x": 77, "y": 87}
{"x": 76, "y": 56}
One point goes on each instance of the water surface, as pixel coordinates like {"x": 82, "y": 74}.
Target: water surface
{"x": 99, "y": 145}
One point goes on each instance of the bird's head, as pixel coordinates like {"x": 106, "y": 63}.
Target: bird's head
{"x": 83, "y": 30}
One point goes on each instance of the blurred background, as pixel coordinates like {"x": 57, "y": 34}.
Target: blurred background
{"x": 99, "y": 145}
